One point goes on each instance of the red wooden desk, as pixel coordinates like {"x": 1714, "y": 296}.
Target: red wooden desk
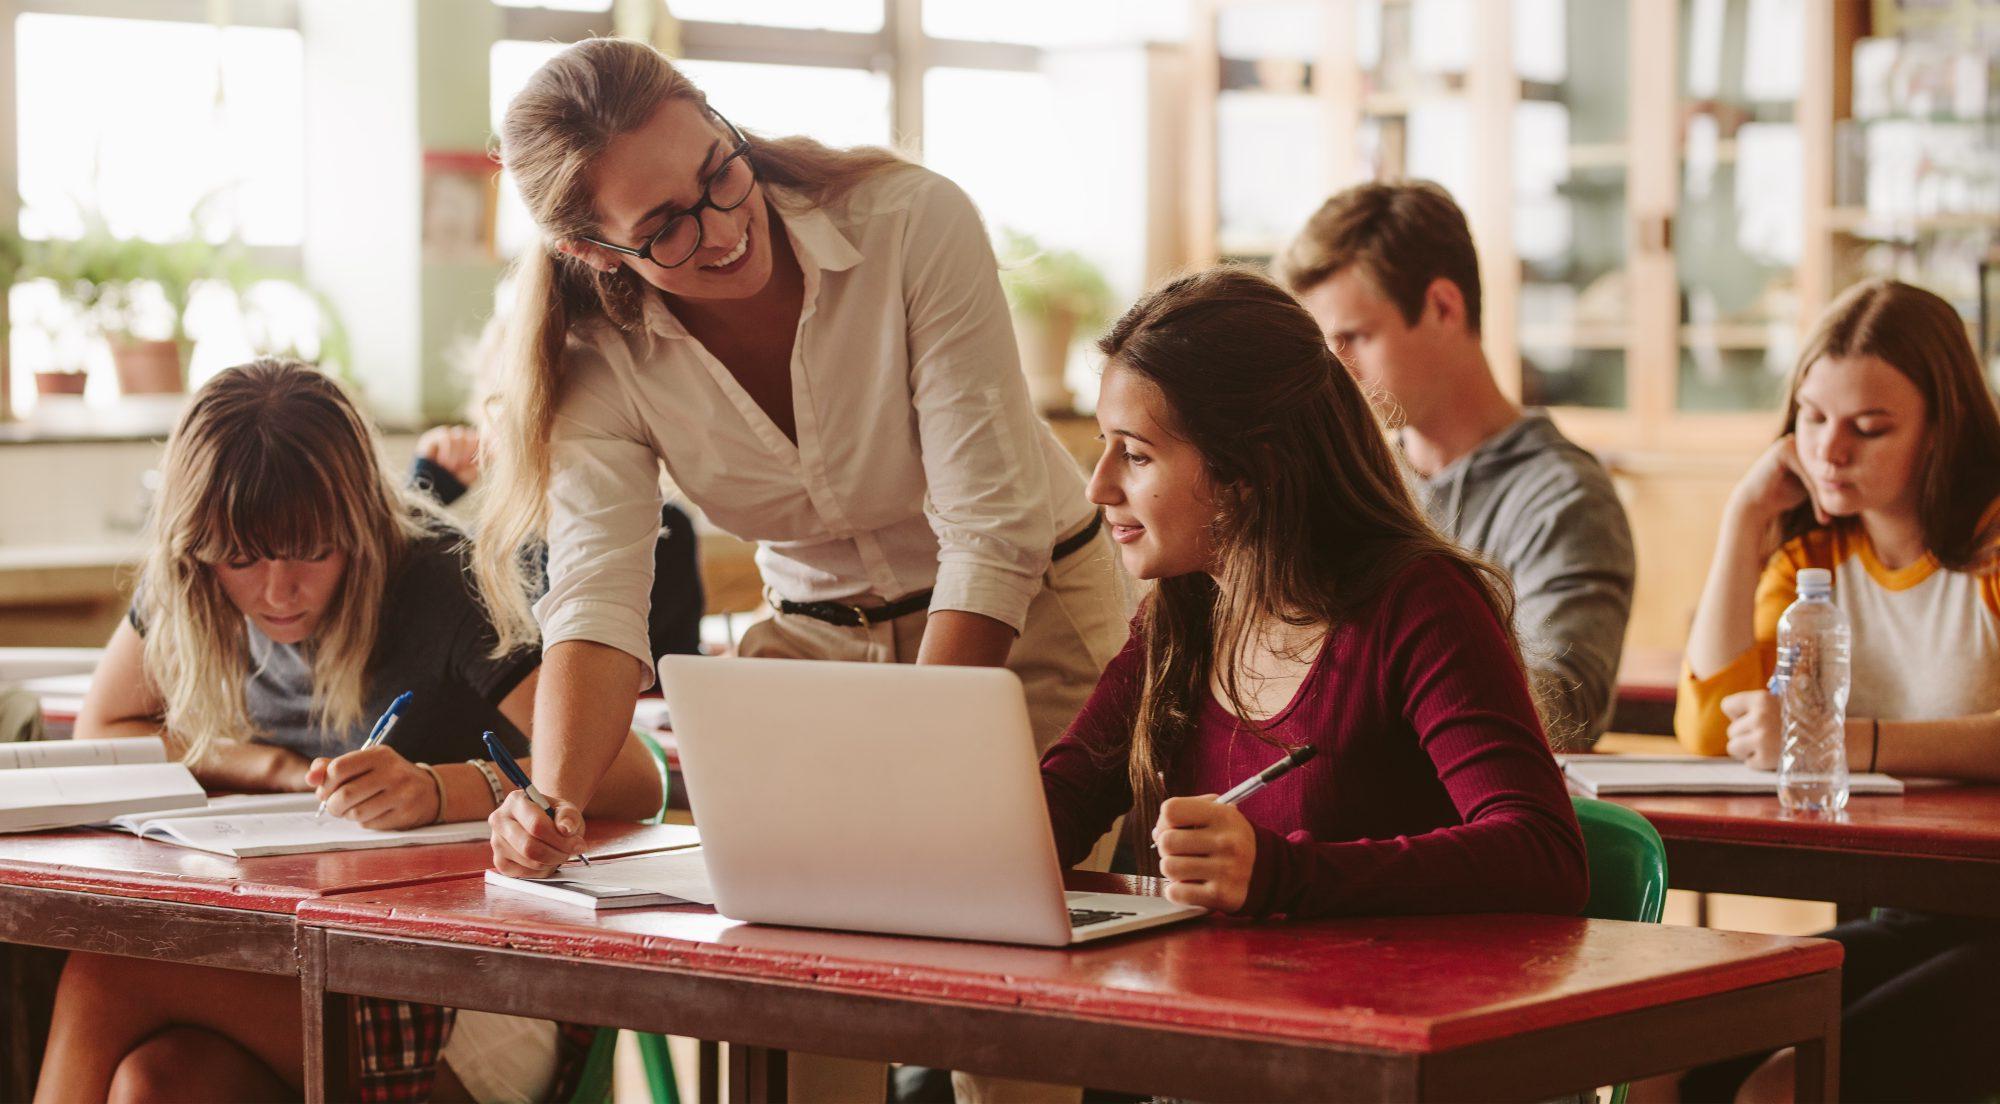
{"x": 1452, "y": 1007}
{"x": 109, "y": 892}
{"x": 1647, "y": 681}
{"x": 1935, "y": 847}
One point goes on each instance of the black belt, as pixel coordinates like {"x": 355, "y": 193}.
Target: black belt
{"x": 840, "y": 613}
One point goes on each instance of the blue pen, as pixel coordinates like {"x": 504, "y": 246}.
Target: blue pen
{"x": 379, "y": 733}
{"x": 498, "y": 753}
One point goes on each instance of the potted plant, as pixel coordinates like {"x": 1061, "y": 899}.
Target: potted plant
{"x": 1054, "y": 294}
{"x": 133, "y": 293}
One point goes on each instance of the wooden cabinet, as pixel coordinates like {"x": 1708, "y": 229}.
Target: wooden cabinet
{"x": 1650, "y": 183}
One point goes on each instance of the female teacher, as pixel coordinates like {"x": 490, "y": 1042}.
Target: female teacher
{"x": 815, "y": 344}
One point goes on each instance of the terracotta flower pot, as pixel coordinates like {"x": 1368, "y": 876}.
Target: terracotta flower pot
{"x": 59, "y": 383}
{"x": 1044, "y": 343}
{"x": 148, "y": 367}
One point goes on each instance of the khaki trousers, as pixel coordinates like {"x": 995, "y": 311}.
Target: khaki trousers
{"x": 1074, "y": 626}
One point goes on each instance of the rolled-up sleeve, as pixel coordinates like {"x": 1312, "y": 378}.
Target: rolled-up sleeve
{"x": 604, "y": 516}
{"x": 987, "y": 495}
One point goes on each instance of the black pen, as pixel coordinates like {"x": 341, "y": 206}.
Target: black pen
{"x": 1256, "y": 781}
{"x": 1268, "y": 775}
{"x": 519, "y": 777}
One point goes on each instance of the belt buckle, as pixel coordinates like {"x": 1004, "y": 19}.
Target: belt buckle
{"x": 860, "y": 615}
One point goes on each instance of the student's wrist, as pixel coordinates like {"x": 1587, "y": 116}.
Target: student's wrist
{"x": 286, "y": 771}
{"x": 465, "y": 794}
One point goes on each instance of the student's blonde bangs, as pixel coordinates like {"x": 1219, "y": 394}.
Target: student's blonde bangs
{"x": 270, "y": 461}
{"x": 271, "y": 503}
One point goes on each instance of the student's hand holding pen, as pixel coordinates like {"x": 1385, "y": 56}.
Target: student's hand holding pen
{"x": 375, "y": 787}
{"x": 1207, "y": 851}
{"x": 527, "y": 843}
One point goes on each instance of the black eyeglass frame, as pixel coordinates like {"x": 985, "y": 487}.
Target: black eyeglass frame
{"x": 706, "y": 202}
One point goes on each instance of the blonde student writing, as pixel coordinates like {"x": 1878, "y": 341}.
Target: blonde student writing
{"x": 290, "y": 590}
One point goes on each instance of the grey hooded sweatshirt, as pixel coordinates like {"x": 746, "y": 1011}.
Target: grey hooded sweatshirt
{"x": 1544, "y": 510}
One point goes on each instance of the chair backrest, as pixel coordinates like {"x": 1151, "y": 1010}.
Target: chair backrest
{"x": 1628, "y": 863}
{"x": 659, "y": 755}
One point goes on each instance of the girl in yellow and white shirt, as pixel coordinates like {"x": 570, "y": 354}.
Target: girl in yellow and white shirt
{"x": 1889, "y": 475}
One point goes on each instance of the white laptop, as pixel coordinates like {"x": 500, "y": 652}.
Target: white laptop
{"x": 879, "y": 797}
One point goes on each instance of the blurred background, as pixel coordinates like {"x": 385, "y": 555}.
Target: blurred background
{"x": 1664, "y": 194}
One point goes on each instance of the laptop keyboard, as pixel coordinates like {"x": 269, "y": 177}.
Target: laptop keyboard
{"x": 1080, "y": 918}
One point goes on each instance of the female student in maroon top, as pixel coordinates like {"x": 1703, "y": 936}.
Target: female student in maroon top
{"x": 1301, "y": 599}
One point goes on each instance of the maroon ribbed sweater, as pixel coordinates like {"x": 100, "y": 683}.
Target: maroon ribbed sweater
{"x": 1433, "y": 790}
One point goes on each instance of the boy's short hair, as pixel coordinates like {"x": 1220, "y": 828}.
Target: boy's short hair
{"x": 1403, "y": 234}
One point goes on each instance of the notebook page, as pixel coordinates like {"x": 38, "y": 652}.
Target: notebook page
{"x": 1608, "y": 774}
{"x": 82, "y": 753}
{"x": 228, "y": 805}
{"x": 682, "y": 874}
{"x": 253, "y": 834}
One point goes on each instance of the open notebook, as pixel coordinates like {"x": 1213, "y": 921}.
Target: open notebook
{"x": 1603, "y": 775}
{"x": 673, "y": 877}
{"x": 250, "y": 825}
{"x": 64, "y": 783}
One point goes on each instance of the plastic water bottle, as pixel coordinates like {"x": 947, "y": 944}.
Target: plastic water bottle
{"x": 1813, "y": 644}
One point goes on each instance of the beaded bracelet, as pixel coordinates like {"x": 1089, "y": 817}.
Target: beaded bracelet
{"x": 438, "y": 784}
{"x": 492, "y": 778}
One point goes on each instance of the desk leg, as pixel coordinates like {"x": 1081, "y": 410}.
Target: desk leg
{"x": 1816, "y": 1062}
{"x": 753, "y": 1074}
{"x": 326, "y": 1020}
{"x": 28, "y": 977}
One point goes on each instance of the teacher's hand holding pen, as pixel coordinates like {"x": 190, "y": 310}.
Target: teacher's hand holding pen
{"x": 529, "y": 843}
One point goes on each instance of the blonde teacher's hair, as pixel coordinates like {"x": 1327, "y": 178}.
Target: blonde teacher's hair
{"x": 571, "y": 110}
{"x": 270, "y": 461}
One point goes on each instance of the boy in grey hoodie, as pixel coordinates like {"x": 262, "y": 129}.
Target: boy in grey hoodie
{"x": 1390, "y": 272}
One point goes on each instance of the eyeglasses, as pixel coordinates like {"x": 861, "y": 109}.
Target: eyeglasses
{"x": 674, "y": 243}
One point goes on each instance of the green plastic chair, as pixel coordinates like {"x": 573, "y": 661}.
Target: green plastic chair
{"x": 1628, "y": 869}
{"x": 594, "y": 1083}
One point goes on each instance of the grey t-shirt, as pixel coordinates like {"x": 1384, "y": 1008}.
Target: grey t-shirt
{"x": 1544, "y": 509}
{"x": 435, "y": 641}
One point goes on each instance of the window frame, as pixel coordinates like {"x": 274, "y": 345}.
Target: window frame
{"x": 900, "y": 50}
{"x": 278, "y": 14}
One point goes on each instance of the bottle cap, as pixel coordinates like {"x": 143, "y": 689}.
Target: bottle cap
{"x": 1815, "y": 582}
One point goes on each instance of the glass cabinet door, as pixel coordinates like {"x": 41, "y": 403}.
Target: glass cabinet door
{"x": 1271, "y": 149}
{"x": 1739, "y": 228}
{"x": 1572, "y": 162}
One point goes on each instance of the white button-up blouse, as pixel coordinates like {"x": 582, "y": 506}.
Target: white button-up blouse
{"x": 919, "y": 462}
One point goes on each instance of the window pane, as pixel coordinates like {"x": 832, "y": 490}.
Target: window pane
{"x": 823, "y": 15}
{"x": 1058, "y": 22}
{"x": 841, "y": 107}
{"x": 147, "y": 120}
{"x": 990, "y": 133}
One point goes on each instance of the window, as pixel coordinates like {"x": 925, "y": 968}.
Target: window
{"x": 180, "y": 126}
{"x": 823, "y": 15}
{"x": 175, "y": 119}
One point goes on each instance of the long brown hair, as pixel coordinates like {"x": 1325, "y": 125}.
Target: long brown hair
{"x": 573, "y": 107}
{"x": 1313, "y": 516}
{"x": 270, "y": 461}
{"x": 1920, "y": 335}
